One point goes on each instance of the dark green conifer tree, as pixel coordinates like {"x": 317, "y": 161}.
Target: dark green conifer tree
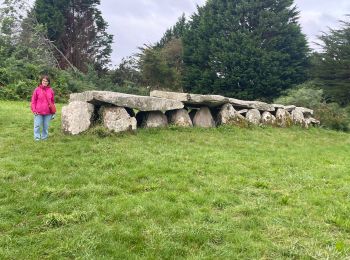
{"x": 175, "y": 32}
{"x": 332, "y": 64}
{"x": 249, "y": 49}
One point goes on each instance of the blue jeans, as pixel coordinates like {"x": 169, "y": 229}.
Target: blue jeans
{"x": 41, "y": 121}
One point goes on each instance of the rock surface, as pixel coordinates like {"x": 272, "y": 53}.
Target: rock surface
{"x": 151, "y": 119}
{"x": 179, "y": 117}
{"x": 311, "y": 121}
{"x": 283, "y": 118}
{"x": 268, "y": 119}
{"x": 118, "y": 111}
{"x": 277, "y": 106}
{"x": 253, "y": 116}
{"x": 192, "y": 99}
{"x": 117, "y": 119}
{"x": 142, "y": 103}
{"x": 242, "y": 111}
{"x": 229, "y": 116}
{"x": 298, "y": 117}
{"x": 252, "y": 104}
{"x": 203, "y": 118}
{"x": 76, "y": 117}
{"x": 289, "y": 108}
{"x": 305, "y": 111}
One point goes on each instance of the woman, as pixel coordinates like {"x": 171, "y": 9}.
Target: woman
{"x": 42, "y": 99}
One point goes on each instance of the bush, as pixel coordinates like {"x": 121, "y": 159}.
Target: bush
{"x": 18, "y": 81}
{"x": 307, "y": 94}
{"x": 331, "y": 115}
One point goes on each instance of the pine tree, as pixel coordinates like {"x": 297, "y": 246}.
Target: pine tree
{"x": 249, "y": 49}
{"x": 332, "y": 64}
{"x": 78, "y": 30}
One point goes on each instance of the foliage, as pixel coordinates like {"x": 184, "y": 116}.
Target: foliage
{"x": 155, "y": 70}
{"x": 309, "y": 94}
{"x": 246, "y": 49}
{"x": 161, "y": 65}
{"x": 127, "y": 72}
{"x": 10, "y": 27}
{"x": 22, "y": 78}
{"x": 26, "y": 53}
{"x": 172, "y": 193}
{"x": 78, "y": 30}
{"x": 333, "y": 116}
{"x": 331, "y": 65}
{"x": 162, "y": 68}
{"x": 175, "y": 32}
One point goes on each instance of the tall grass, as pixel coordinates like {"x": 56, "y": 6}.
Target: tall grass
{"x": 229, "y": 193}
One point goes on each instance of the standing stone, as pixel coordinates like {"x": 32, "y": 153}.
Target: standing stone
{"x": 268, "y": 119}
{"x": 253, "y": 116}
{"x": 179, "y": 117}
{"x": 151, "y": 119}
{"x": 229, "y": 116}
{"x": 283, "y": 118}
{"x": 298, "y": 117}
{"x": 203, "y": 118}
{"x": 76, "y": 117}
{"x": 117, "y": 119}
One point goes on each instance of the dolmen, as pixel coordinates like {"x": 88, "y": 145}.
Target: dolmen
{"x": 121, "y": 112}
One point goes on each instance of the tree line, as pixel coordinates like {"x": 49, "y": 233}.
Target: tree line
{"x": 248, "y": 49}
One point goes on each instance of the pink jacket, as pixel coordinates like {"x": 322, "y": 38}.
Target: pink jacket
{"x": 39, "y": 103}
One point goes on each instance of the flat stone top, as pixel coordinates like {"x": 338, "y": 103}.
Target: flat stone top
{"x": 211, "y": 100}
{"x": 191, "y": 99}
{"x": 142, "y": 103}
{"x": 252, "y": 104}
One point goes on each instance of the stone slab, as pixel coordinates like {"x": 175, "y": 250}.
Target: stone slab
{"x": 262, "y": 106}
{"x": 142, "y": 103}
{"x": 191, "y": 99}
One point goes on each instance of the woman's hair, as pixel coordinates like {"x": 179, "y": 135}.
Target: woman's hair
{"x": 44, "y": 77}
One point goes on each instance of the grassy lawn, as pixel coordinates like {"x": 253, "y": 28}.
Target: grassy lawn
{"x": 224, "y": 193}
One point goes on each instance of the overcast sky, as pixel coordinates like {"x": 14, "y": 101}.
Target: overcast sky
{"x": 135, "y": 22}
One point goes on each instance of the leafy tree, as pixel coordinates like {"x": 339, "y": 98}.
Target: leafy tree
{"x": 161, "y": 68}
{"x": 24, "y": 49}
{"x": 249, "y": 49}
{"x": 78, "y": 30}
{"x": 10, "y": 26}
{"x": 155, "y": 71}
{"x": 127, "y": 72}
{"x": 332, "y": 64}
{"x": 161, "y": 65}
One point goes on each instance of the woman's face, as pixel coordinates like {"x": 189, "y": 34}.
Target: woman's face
{"x": 45, "y": 82}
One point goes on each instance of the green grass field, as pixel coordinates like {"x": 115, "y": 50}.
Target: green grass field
{"x": 224, "y": 193}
